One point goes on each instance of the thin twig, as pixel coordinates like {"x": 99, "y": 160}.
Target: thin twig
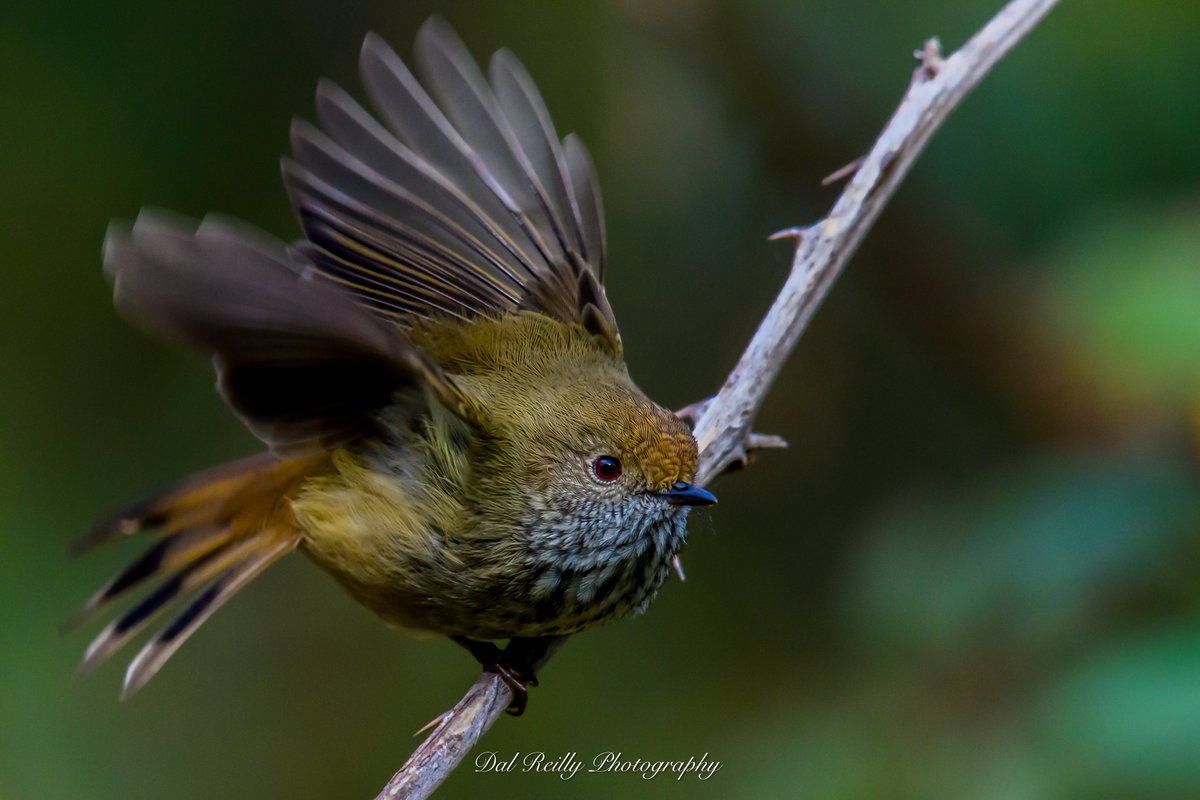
{"x": 723, "y": 423}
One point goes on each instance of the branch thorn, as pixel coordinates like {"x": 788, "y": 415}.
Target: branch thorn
{"x": 678, "y": 565}
{"x": 796, "y": 233}
{"x": 842, "y": 172}
{"x": 433, "y": 723}
{"x": 931, "y": 59}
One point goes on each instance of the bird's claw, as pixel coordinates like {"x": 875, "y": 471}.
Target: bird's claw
{"x": 518, "y": 681}
{"x": 515, "y": 673}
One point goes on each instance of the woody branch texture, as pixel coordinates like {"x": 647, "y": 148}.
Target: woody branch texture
{"x": 723, "y": 422}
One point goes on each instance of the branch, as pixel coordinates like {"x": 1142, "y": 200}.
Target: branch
{"x": 822, "y": 250}
{"x": 723, "y": 422}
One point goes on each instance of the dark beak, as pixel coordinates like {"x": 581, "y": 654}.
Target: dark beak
{"x": 685, "y": 494}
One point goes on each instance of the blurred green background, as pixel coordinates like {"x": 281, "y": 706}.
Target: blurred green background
{"x": 975, "y": 574}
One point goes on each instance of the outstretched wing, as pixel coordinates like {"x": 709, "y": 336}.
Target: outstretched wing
{"x": 462, "y": 202}
{"x": 302, "y": 364}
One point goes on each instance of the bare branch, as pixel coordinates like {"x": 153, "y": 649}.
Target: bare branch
{"x": 456, "y": 733}
{"x": 723, "y": 422}
{"x": 823, "y": 249}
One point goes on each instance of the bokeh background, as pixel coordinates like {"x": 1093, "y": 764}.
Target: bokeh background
{"x": 976, "y": 572}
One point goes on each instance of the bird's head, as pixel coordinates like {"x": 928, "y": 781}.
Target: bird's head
{"x": 599, "y": 456}
{"x": 568, "y": 436}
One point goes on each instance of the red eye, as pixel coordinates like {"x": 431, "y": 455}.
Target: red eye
{"x": 607, "y": 468}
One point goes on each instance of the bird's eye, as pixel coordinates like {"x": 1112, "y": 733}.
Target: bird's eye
{"x": 606, "y": 468}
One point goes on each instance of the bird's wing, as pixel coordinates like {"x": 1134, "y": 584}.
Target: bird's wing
{"x": 459, "y": 201}
{"x": 297, "y": 358}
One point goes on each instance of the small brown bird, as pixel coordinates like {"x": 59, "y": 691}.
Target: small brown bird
{"x": 437, "y": 372}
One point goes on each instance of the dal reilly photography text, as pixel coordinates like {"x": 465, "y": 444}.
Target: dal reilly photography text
{"x": 567, "y": 765}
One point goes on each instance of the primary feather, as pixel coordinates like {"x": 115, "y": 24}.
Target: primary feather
{"x": 465, "y": 204}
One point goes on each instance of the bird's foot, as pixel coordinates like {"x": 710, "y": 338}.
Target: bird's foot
{"x": 511, "y": 668}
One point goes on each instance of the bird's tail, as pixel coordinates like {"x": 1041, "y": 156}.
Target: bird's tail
{"x": 217, "y": 530}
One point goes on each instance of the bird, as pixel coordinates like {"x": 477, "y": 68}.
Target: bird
{"x": 450, "y": 428}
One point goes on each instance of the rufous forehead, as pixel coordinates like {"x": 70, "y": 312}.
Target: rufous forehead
{"x": 664, "y": 449}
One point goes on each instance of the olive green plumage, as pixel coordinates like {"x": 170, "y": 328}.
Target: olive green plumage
{"x": 503, "y": 531}
{"x": 435, "y": 367}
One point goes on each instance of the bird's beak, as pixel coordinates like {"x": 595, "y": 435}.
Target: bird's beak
{"x": 685, "y": 494}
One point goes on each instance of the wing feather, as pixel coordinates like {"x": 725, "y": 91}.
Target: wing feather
{"x": 296, "y": 357}
{"x": 468, "y": 102}
{"x": 586, "y": 190}
{"x": 461, "y": 202}
{"x": 527, "y": 114}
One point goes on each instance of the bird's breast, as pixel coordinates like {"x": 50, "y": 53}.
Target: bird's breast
{"x": 577, "y": 576}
